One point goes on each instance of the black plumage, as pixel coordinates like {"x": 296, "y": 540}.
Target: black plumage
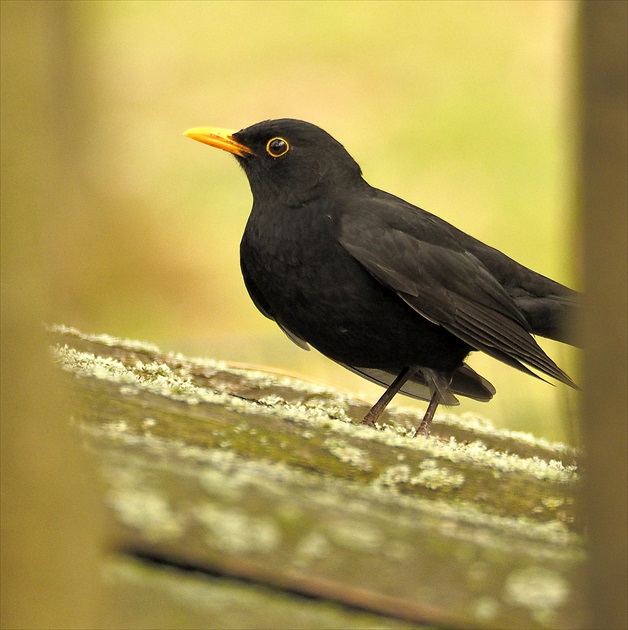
{"x": 383, "y": 287}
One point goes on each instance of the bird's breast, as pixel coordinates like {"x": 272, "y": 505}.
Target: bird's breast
{"x": 295, "y": 259}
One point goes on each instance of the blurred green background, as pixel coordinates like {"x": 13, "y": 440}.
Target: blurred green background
{"x": 463, "y": 108}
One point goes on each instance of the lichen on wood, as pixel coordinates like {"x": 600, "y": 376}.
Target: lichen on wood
{"x": 264, "y": 476}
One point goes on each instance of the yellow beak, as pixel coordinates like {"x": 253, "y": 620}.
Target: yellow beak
{"x": 219, "y": 138}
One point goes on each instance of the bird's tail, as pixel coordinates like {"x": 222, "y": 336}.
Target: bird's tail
{"x": 464, "y": 382}
{"x": 552, "y": 316}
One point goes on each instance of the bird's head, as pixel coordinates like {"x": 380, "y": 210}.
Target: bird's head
{"x": 286, "y": 160}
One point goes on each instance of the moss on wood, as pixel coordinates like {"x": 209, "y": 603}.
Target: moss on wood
{"x": 267, "y": 477}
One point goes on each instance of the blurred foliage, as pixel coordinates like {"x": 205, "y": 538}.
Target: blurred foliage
{"x": 464, "y": 108}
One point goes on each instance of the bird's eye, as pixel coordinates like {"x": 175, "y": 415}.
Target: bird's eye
{"x": 276, "y": 147}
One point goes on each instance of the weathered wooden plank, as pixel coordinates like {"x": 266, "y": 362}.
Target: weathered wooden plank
{"x": 265, "y": 477}
{"x": 143, "y": 594}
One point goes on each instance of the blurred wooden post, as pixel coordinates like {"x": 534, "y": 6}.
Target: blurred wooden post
{"x": 604, "y": 58}
{"x": 52, "y": 518}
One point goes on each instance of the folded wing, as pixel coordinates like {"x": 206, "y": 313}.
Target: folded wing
{"x": 451, "y": 288}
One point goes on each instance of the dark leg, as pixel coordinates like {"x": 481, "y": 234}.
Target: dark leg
{"x": 387, "y": 396}
{"x": 424, "y": 427}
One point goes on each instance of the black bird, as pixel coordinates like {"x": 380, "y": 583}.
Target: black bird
{"x": 376, "y": 284}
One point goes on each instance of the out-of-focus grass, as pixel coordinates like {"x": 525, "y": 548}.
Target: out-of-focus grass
{"x": 464, "y": 108}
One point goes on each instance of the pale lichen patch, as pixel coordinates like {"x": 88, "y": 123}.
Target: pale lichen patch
{"x": 501, "y": 462}
{"x": 234, "y": 531}
{"x": 392, "y": 476}
{"x": 154, "y": 377}
{"x": 538, "y": 589}
{"x": 356, "y": 535}
{"x": 485, "y": 609}
{"x": 553, "y": 503}
{"x": 106, "y": 340}
{"x": 435, "y": 477}
{"x": 229, "y": 488}
{"x": 352, "y": 455}
{"x": 482, "y": 426}
{"x": 314, "y": 546}
{"x": 146, "y": 511}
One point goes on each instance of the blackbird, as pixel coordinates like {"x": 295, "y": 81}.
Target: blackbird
{"x": 377, "y": 284}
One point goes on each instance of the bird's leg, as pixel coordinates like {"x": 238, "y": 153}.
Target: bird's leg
{"x": 376, "y": 410}
{"x": 424, "y": 427}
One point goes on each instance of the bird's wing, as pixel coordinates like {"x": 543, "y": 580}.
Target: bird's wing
{"x": 451, "y": 288}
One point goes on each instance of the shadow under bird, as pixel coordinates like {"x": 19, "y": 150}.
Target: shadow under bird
{"x": 377, "y": 284}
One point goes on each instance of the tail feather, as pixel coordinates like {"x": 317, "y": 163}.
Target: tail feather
{"x": 464, "y": 382}
{"x": 553, "y": 317}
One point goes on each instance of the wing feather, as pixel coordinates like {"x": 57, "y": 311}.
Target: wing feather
{"x": 452, "y": 288}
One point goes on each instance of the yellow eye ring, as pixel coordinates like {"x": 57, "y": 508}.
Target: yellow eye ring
{"x": 276, "y": 147}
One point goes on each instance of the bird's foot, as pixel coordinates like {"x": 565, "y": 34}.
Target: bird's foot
{"x": 369, "y": 419}
{"x": 423, "y": 429}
